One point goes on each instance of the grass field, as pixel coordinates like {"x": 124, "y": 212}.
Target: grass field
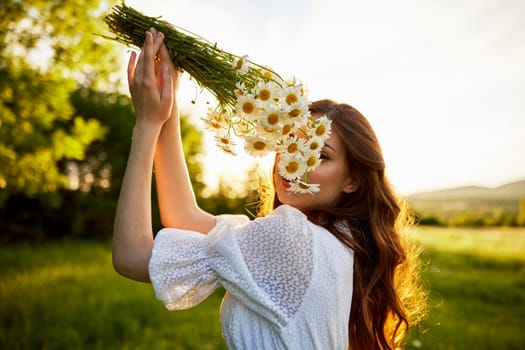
{"x": 67, "y": 296}
{"x": 477, "y": 283}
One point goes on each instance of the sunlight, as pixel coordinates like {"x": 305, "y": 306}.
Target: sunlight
{"x": 432, "y": 93}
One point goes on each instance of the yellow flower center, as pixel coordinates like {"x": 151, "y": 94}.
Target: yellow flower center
{"x": 292, "y": 148}
{"x": 314, "y": 146}
{"x": 239, "y": 63}
{"x": 321, "y": 130}
{"x": 264, "y": 94}
{"x": 273, "y": 118}
{"x": 259, "y": 145}
{"x": 294, "y": 113}
{"x": 286, "y": 129}
{"x": 291, "y": 99}
{"x": 311, "y": 161}
{"x": 292, "y": 167}
{"x": 248, "y": 107}
{"x": 225, "y": 140}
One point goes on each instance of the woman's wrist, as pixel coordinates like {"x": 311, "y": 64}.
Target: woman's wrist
{"x": 146, "y": 127}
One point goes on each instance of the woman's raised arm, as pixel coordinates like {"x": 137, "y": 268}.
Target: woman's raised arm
{"x": 151, "y": 87}
{"x": 178, "y": 206}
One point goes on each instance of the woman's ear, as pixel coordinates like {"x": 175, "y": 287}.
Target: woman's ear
{"x": 350, "y": 187}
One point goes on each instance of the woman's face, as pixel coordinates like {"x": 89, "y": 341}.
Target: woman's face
{"x": 332, "y": 175}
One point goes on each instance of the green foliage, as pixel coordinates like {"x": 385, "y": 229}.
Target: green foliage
{"x": 230, "y": 198}
{"x": 59, "y": 37}
{"x": 63, "y": 142}
{"x": 88, "y": 210}
{"x": 429, "y": 220}
{"x": 46, "y": 50}
{"x": 520, "y": 220}
{"x": 192, "y": 144}
{"x": 467, "y": 212}
{"x": 103, "y": 167}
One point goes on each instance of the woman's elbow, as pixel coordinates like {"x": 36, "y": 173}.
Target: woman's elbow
{"x": 132, "y": 267}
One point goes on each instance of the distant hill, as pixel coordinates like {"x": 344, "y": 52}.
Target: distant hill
{"x": 471, "y": 205}
{"x": 510, "y": 191}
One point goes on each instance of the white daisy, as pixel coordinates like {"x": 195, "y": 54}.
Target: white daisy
{"x": 321, "y": 129}
{"x": 241, "y": 126}
{"x": 215, "y": 121}
{"x": 298, "y": 113}
{"x": 271, "y": 118}
{"x": 246, "y": 107}
{"x": 257, "y": 146}
{"x": 303, "y": 187}
{"x": 290, "y": 167}
{"x": 272, "y": 135}
{"x": 225, "y": 143}
{"x": 297, "y": 84}
{"x": 240, "y": 89}
{"x": 267, "y": 73}
{"x": 290, "y": 95}
{"x": 312, "y": 160}
{"x": 292, "y": 81}
{"x": 241, "y": 64}
{"x": 266, "y": 92}
{"x": 314, "y": 145}
{"x": 293, "y": 146}
{"x": 287, "y": 128}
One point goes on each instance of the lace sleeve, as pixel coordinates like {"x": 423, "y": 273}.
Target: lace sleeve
{"x": 266, "y": 264}
{"x": 178, "y": 269}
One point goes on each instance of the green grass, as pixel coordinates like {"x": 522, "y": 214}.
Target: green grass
{"x": 477, "y": 283}
{"x": 67, "y": 296}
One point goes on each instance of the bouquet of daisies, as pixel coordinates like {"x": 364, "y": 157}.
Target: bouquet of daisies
{"x": 255, "y": 105}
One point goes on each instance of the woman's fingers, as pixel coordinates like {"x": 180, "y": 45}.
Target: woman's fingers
{"x": 152, "y": 45}
{"x": 140, "y": 61}
{"x": 131, "y": 67}
{"x": 166, "y": 94}
{"x": 165, "y": 59}
{"x": 151, "y": 81}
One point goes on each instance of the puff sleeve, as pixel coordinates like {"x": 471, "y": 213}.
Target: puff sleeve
{"x": 266, "y": 263}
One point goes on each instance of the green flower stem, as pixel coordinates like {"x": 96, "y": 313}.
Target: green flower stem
{"x": 210, "y": 66}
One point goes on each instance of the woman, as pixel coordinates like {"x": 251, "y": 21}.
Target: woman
{"x": 322, "y": 271}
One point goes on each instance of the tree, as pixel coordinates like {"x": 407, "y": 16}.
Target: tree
{"x": 105, "y": 162}
{"x": 520, "y": 221}
{"x": 47, "y": 49}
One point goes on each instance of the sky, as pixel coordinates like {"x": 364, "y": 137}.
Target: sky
{"x": 441, "y": 82}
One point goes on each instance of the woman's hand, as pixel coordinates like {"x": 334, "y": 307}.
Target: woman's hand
{"x": 151, "y": 80}
{"x": 165, "y": 60}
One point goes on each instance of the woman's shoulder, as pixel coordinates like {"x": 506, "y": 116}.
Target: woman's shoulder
{"x": 284, "y": 211}
{"x": 279, "y": 214}
{"x": 283, "y": 216}
{"x": 282, "y": 221}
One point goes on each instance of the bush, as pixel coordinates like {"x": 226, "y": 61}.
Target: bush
{"x": 429, "y": 220}
{"x": 70, "y": 214}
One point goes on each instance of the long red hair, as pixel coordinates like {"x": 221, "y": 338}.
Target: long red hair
{"x": 387, "y": 296}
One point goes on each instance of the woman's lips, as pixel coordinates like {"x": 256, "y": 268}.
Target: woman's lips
{"x": 285, "y": 183}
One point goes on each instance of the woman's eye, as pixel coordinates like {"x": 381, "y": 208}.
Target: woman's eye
{"x": 323, "y": 156}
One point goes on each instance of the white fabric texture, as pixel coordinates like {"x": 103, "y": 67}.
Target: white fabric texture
{"x": 288, "y": 281}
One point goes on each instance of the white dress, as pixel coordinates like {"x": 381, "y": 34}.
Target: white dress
{"x": 288, "y": 281}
